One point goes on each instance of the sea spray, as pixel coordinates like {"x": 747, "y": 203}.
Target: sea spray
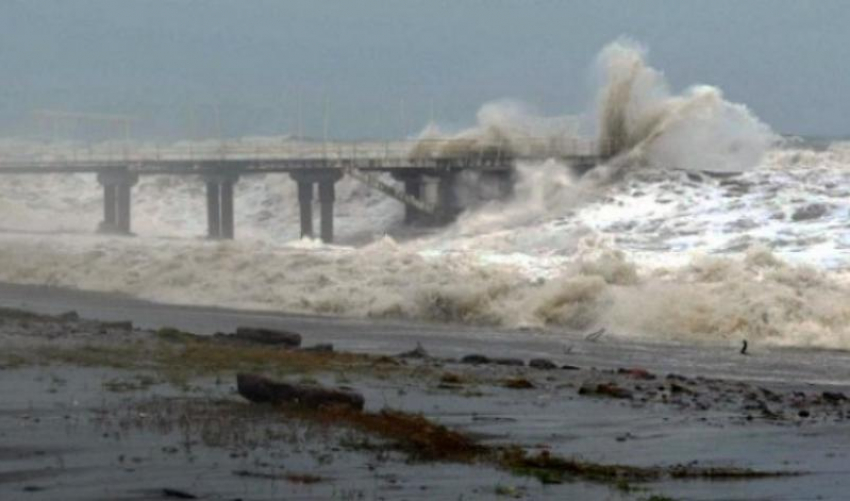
{"x": 506, "y": 128}
{"x": 640, "y": 120}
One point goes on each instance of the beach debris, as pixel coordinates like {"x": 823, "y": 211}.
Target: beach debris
{"x": 260, "y": 389}
{"x": 744, "y": 348}
{"x": 475, "y": 359}
{"x": 568, "y": 367}
{"x": 518, "y": 383}
{"x": 478, "y": 359}
{"x": 121, "y": 325}
{"x": 274, "y": 337}
{"x": 542, "y": 364}
{"x": 177, "y": 336}
{"x": 833, "y": 397}
{"x": 296, "y": 478}
{"x": 766, "y": 411}
{"x": 303, "y": 478}
{"x": 624, "y": 437}
{"x": 551, "y": 469}
{"x": 319, "y": 348}
{"x": 514, "y": 362}
{"x": 168, "y": 492}
{"x": 637, "y": 373}
{"x": 450, "y": 379}
{"x": 771, "y": 395}
{"x": 678, "y": 388}
{"x": 595, "y": 335}
{"x": 258, "y": 474}
{"x": 385, "y": 360}
{"x": 611, "y": 390}
{"x": 418, "y": 352}
{"x": 69, "y": 316}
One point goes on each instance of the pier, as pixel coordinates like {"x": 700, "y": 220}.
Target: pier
{"x": 399, "y": 169}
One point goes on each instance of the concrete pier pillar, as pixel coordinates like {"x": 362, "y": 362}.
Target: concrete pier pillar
{"x": 220, "y": 204}
{"x": 326, "y": 202}
{"x": 412, "y": 187}
{"x": 306, "y": 179}
{"x": 124, "y": 194}
{"x": 213, "y": 209}
{"x": 227, "y": 222}
{"x": 110, "y": 212}
{"x": 447, "y": 201}
{"x": 414, "y": 184}
{"x": 117, "y": 200}
{"x": 305, "y": 205}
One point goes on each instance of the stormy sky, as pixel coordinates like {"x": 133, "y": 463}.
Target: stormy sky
{"x": 383, "y": 68}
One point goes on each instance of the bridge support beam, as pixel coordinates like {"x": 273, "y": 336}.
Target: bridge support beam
{"x": 117, "y": 200}
{"x": 326, "y": 179}
{"x": 220, "y": 206}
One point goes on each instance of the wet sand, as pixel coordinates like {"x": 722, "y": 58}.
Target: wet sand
{"x": 120, "y": 431}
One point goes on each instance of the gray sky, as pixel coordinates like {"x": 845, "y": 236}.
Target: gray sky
{"x": 382, "y": 66}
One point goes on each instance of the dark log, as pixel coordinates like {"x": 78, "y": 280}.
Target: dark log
{"x": 542, "y": 364}
{"x": 475, "y": 359}
{"x": 610, "y": 390}
{"x": 273, "y": 337}
{"x": 513, "y": 362}
{"x": 259, "y": 389}
{"x": 177, "y": 494}
{"x": 418, "y": 352}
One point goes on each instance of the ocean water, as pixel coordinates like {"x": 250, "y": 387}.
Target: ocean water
{"x": 703, "y": 227}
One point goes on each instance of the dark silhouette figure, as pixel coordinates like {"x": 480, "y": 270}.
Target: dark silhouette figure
{"x": 744, "y": 348}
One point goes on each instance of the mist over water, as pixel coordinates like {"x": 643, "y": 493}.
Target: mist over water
{"x": 646, "y": 245}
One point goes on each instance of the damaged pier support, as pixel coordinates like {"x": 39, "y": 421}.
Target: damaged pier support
{"x": 117, "y": 200}
{"x": 220, "y": 220}
{"x": 446, "y": 203}
{"x": 414, "y": 186}
{"x": 326, "y": 179}
{"x": 501, "y": 182}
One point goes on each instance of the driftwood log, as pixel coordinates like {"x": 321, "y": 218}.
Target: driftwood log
{"x": 259, "y": 389}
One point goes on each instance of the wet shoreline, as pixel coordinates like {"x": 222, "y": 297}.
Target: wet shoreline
{"x": 76, "y": 428}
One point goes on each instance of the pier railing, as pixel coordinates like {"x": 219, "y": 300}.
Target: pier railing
{"x": 400, "y": 153}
